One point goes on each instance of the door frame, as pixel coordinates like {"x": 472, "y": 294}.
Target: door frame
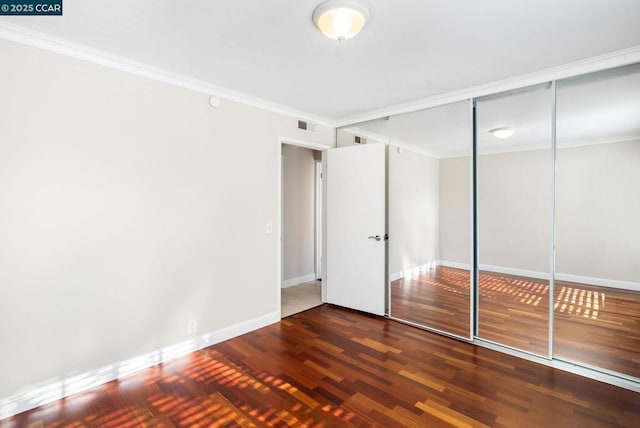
{"x": 278, "y": 226}
{"x": 319, "y": 206}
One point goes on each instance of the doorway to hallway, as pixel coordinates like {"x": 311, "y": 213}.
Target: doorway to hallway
{"x": 301, "y": 229}
{"x": 301, "y": 297}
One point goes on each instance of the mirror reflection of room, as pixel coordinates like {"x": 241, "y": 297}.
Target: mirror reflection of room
{"x": 429, "y": 218}
{"x": 514, "y": 217}
{"x": 564, "y": 221}
{"x": 597, "y": 278}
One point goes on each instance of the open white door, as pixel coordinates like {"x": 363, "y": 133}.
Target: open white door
{"x": 355, "y": 264}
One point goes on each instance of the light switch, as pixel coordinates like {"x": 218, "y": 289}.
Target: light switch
{"x": 269, "y": 228}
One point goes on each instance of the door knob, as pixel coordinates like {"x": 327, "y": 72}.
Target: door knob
{"x": 376, "y": 237}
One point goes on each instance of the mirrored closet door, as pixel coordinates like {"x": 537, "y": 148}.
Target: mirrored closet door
{"x": 430, "y": 225}
{"x": 548, "y": 179}
{"x": 514, "y": 218}
{"x": 597, "y": 277}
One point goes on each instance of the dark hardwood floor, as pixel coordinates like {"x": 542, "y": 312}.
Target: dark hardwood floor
{"x": 334, "y": 367}
{"x": 597, "y": 326}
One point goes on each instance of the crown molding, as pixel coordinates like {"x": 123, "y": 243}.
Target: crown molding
{"x": 50, "y": 43}
{"x": 589, "y": 65}
{"x": 391, "y": 142}
{"x": 355, "y": 130}
{"x": 57, "y": 45}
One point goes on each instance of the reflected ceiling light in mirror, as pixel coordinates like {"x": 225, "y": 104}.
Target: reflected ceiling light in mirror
{"x": 502, "y": 133}
{"x": 341, "y": 19}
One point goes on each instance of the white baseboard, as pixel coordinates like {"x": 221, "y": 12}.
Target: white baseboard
{"x": 34, "y": 396}
{"x": 514, "y": 271}
{"x": 412, "y": 271}
{"x": 611, "y": 283}
{"x": 299, "y": 280}
{"x": 456, "y": 265}
{"x": 600, "y": 282}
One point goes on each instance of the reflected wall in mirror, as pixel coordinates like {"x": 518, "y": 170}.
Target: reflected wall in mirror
{"x": 429, "y": 218}
{"x": 597, "y": 291}
{"x": 515, "y": 197}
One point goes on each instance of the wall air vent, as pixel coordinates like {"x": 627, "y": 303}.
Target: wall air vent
{"x": 303, "y": 125}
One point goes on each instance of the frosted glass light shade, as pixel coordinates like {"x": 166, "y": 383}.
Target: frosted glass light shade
{"x": 340, "y": 19}
{"x": 502, "y": 132}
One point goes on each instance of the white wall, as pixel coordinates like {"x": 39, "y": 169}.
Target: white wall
{"x": 127, "y": 207}
{"x": 455, "y": 210}
{"x": 598, "y": 211}
{"x": 514, "y": 210}
{"x": 413, "y": 210}
{"x": 298, "y": 215}
{"x": 344, "y": 138}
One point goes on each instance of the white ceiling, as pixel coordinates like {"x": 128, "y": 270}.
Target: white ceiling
{"x": 411, "y": 49}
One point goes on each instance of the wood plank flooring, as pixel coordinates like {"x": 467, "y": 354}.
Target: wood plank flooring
{"x": 437, "y": 298}
{"x": 514, "y": 311}
{"x": 597, "y": 326}
{"x": 330, "y": 366}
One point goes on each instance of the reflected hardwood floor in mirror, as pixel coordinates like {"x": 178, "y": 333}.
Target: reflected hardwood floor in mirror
{"x": 436, "y": 298}
{"x": 514, "y": 311}
{"x": 597, "y": 326}
{"x": 332, "y": 367}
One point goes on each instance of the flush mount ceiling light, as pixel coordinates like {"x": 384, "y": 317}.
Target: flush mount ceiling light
{"x": 502, "y": 132}
{"x": 341, "y": 19}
